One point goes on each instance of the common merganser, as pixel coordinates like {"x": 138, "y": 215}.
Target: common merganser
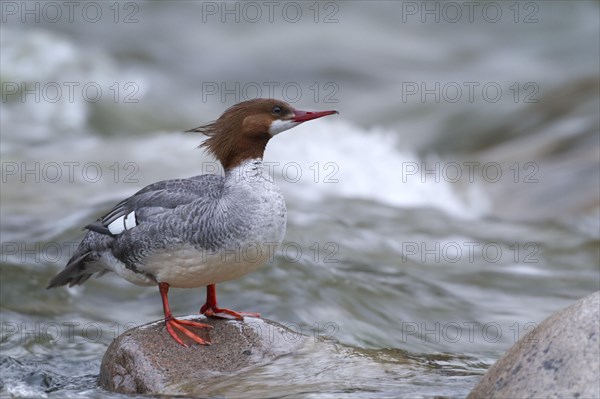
{"x": 200, "y": 231}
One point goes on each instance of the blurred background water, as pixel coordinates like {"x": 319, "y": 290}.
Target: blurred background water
{"x": 451, "y": 206}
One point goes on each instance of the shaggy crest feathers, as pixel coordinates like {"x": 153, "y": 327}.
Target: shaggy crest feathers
{"x": 242, "y": 132}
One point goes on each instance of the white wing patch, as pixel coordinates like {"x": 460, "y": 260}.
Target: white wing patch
{"x": 123, "y": 223}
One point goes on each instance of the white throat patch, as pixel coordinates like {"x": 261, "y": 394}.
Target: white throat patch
{"x": 278, "y": 126}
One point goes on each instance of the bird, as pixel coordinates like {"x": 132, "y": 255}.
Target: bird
{"x": 199, "y": 231}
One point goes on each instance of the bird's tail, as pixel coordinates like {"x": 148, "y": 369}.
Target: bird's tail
{"x": 85, "y": 262}
{"x": 78, "y": 270}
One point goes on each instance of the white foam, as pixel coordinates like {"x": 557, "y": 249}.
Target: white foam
{"x": 21, "y": 390}
{"x": 60, "y": 83}
{"x": 354, "y": 162}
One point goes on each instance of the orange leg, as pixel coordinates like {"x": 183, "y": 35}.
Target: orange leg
{"x": 172, "y": 323}
{"x": 211, "y": 309}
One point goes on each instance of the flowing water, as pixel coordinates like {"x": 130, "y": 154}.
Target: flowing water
{"x": 450, "y": 207}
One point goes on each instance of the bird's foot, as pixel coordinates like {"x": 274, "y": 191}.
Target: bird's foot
{"x": 213, "y": 311}
{"x": 183, "y": 326}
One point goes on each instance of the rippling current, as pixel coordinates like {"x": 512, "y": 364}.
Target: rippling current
{"x": 430, "y": 226}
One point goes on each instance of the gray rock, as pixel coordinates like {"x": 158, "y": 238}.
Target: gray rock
{"x": 147, "y": 360}
{"x": 560, "y": 358}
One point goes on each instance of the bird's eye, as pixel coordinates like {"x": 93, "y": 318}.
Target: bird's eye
{"x": 276, "y": 110}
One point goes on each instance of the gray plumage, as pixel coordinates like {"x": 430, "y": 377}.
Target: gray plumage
{"x": 209, "y": 214}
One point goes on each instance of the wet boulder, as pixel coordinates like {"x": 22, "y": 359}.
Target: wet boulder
{"x": 560, "y": 358}
{"x": 147, "y": 360}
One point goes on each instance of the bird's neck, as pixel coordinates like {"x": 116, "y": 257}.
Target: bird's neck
{"x": 249, "y": 170}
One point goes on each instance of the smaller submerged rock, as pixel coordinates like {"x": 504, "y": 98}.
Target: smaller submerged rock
{"x": 560, "y": 358}
{"x": 147, "y": 360}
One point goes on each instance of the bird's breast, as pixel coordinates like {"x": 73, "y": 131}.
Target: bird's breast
{"x": 247, "y": 229}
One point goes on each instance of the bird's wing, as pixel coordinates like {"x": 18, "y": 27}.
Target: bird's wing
{"x": 154, "y": 200}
